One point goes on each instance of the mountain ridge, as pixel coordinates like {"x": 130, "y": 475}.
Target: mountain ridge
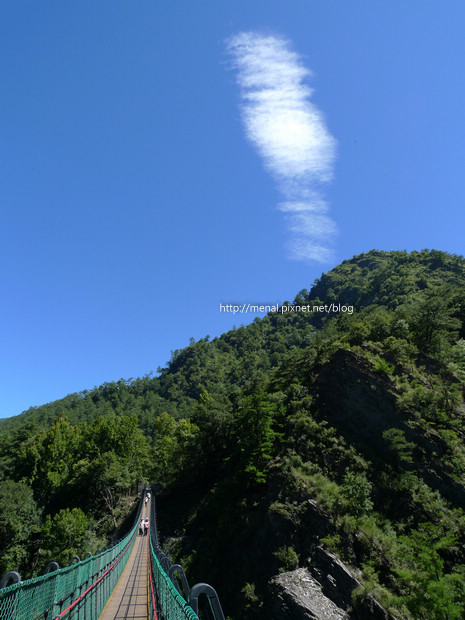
{"x": 301, "y": 437}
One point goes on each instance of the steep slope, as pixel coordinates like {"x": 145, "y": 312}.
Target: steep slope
{"x": 311, "y": 447}
{"x": 352, "y": 444}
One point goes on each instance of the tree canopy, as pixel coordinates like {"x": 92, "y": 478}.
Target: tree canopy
{"x": 300, "y": 430}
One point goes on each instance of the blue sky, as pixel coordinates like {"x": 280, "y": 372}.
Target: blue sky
{"x": 160, "y": 158}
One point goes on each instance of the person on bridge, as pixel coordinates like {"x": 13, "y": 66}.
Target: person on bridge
{"x": 146, "y": 527}
{"x": 141, "y": 527}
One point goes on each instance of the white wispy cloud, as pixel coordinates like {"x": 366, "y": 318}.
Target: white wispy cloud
{"x": 290, "y": 134}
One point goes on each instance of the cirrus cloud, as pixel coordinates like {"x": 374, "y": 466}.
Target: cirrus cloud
{"x": 290, "y": 134}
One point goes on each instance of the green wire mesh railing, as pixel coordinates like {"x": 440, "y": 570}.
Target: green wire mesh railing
{"x": 80, "y": 591}
{"x": 164, "y": 595}
{"x": 75, "y": 592}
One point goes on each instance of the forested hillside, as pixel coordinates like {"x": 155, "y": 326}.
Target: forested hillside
{"x": 304, "y": 445}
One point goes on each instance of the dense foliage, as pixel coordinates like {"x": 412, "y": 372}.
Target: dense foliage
{"x": 66, "y": 487}
{"x": 298, "y": 431}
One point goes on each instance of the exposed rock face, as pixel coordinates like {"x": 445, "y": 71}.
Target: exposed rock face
{"x": 335, "y": 578}
{"x": 338, "y": 582}
{"x": 361, "y": 404}
{"x": 297, "y": 596}
{"x": 324, "y": 592}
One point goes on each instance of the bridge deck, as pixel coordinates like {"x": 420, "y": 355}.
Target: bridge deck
{"x": 129, "y": 599}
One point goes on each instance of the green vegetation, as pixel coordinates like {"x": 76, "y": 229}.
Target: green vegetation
{"x": 66, "y": 488}
{"x": 298, "y": 431}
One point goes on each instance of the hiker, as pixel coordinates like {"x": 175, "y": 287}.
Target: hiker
{"x": 146, "y": 527}
{"x": 141, "y": 527}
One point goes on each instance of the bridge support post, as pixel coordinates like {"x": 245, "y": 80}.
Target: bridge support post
{"x": 210, "y": 593}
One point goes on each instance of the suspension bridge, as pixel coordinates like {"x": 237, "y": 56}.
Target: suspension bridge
{"x": 132, "y": 579}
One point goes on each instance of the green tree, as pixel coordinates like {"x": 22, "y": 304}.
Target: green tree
{"x": 357, "y": 491}
{"x": 432, "y": 318}
{"x": 103, "y": 480}
{"x": 429, "y": 591}
{"x": 47, "y": 461}
{"x": 174, "y": 447}
{"x": 254, "y": 436}
{"x": 65, "y": 535}
{"x": 214, "y": 419}
{"x": 119, "y": 436}
{"x": 400, "y": 447}
{"x": 19, "y": 521}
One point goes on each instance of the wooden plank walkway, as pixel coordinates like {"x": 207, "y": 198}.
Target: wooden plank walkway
{"x": 130, "y": 598}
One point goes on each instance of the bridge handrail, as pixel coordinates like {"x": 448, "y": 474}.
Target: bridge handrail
{"x": 81, "y": 589}
{"x": 62, "y": 593}
{"x": 170, "y": 601}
